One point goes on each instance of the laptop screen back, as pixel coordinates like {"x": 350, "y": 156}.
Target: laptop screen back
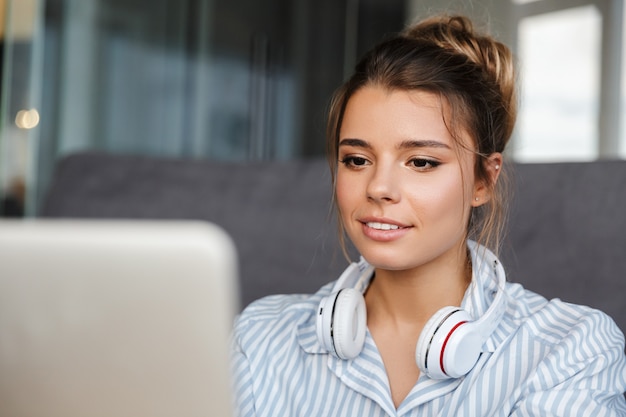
{"x": 115, "y": 318}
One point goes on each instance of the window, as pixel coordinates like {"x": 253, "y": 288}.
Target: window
{"x": 560, "y": 55}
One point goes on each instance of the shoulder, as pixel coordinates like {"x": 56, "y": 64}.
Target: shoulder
{"x": 568, "y": 346}
{"x": 554, "y": 321}
{"x": 579, "y": 338}
{"x": 276, "y": 316}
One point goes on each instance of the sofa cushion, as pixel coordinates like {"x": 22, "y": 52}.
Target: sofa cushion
{"x": 278, "y": 214}
{"x": 567, "y": 233}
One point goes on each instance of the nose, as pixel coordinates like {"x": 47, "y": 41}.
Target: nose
{"x": 383, "y": 185}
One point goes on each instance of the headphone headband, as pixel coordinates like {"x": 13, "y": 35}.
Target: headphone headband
{"x": 357, "y": 275}
{"x": 490, "y": 318}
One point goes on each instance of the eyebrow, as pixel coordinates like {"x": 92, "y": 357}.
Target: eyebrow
{"x": 425, "y": 143}
{"x": 358, "y": 143}
{"x": 406, "y": 144}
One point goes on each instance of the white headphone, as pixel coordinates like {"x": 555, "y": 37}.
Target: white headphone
{"x": 450, "y": 343}
{"x": 341, "y": 318}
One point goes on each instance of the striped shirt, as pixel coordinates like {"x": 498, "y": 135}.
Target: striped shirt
{"x": 546, "y": 358}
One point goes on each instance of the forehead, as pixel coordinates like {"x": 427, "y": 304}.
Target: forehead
{"x": 378, "y": 112}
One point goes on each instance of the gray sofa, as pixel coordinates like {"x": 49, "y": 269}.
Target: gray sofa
{"x": 567, "y": 234}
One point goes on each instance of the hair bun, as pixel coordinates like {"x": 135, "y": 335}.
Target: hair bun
{"x": 457, "y": 34}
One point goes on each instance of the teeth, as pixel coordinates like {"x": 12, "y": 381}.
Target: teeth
{"x": 382, "y": 226}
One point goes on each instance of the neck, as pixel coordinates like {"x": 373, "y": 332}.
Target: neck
{"x": 411, "y": 297}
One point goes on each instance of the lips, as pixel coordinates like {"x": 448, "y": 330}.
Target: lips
{"x": 383, "y": 230}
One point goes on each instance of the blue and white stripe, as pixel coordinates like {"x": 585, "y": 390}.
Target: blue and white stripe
{"x": 546, "y": 358}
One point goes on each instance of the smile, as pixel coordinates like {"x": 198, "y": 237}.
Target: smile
{"x": 382, "y": 226}
{"x": 380, "y": 231}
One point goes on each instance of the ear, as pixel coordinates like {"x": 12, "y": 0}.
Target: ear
{"x": 483, "y": 188}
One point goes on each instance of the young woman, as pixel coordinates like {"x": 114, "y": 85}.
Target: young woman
{"x": 425, "y": 324}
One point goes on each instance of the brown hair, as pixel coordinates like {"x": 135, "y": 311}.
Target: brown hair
{"x": 475, "y": 76}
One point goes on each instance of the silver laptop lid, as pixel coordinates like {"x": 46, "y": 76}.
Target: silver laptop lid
{"x": 115, "y": 318}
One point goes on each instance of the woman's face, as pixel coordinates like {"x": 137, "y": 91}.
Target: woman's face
{"x": 404, "y": 189}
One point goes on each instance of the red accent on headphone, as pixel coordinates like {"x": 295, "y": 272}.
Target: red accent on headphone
{"x": 445, "y": 342}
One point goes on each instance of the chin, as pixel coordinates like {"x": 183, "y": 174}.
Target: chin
{"x": 387, "y": 260}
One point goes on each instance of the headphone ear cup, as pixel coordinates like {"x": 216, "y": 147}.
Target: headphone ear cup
{"x": 325, "y": 322}
{"x": 349, "y": 323}
{"x": 449, "y": 345}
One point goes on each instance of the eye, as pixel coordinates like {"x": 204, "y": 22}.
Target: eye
{"x": 354, "y": 161}
{"x": 424, "y": 164}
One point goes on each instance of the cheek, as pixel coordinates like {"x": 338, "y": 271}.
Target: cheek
{"x": 447, "y": 198}
{"x": 344, "y": 193}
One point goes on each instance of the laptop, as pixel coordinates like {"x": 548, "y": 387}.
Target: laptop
{"x": 115, "y": 318}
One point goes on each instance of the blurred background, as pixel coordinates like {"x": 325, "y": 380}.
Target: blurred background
{"x": 251, "y": 79}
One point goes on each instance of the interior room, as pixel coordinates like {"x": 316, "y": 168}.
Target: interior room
{"x": 109, "y": 106}
{"x": 215, "y": 111}
{"x": 250, "y": 80}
